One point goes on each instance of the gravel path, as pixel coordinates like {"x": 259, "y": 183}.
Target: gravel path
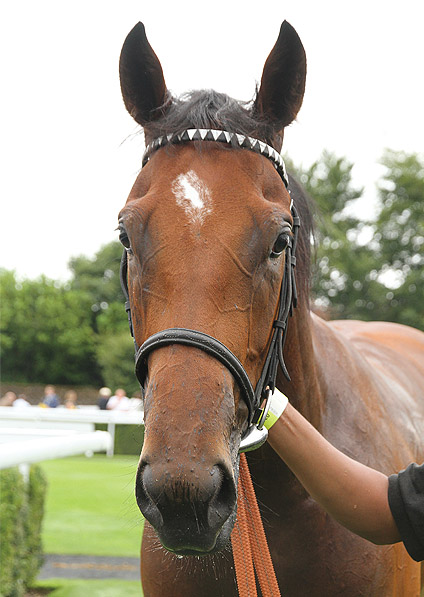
{"x": 76, "y": 566}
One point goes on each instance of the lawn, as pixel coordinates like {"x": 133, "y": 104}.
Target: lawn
{"x": 94, "y": 588}
{"x": 90, "y": 506}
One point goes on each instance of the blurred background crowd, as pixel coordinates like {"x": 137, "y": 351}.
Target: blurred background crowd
{"x": 51, "y": 399}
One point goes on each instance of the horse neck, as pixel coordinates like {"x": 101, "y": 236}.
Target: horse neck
{"x": 269, "y": 472}
{"x": 303, "y": 390}
{"x": 305, "y": 394}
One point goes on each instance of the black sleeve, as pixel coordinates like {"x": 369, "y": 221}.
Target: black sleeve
{"x": 406, "y": 501}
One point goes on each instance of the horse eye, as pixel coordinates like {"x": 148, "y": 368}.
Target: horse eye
{"x": 280, "y": 245}
{"x": 123, "y": 237}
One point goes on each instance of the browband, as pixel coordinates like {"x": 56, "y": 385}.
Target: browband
{"x": 233, "y": 139}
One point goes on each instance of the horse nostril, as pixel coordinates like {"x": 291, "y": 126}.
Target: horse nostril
{"x": 224, "y": 499}
{"x": 145, "y": 501}
{"x": 187, "y": 508}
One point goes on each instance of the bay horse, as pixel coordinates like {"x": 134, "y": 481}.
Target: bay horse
{"x": 206, "y": 230}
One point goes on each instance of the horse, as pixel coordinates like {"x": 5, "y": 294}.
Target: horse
{"x": 207, "y": 229}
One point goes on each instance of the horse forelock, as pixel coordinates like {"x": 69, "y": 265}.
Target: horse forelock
{"x": 210, "y": 109}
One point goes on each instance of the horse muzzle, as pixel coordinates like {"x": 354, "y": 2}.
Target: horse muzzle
{"x": 192, "y": 511}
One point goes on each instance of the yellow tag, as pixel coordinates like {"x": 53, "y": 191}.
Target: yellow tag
{"x": 278, "y": 405}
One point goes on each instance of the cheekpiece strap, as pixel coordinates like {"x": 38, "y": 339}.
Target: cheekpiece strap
{"x": 233, "y": 139}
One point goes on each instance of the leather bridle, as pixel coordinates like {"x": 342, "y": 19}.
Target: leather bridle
{"x": 256, "y": 434}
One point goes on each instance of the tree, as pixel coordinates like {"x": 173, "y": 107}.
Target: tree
{"x": 368, "y": 269}
{"x": 99, "y": 276}
{"x": 115, "y": 349}
{"x": 399, "y": 238}
{"x": 46, "y": 332}
{"x": 115, "y": 355}
{"x": 339, "y": 281}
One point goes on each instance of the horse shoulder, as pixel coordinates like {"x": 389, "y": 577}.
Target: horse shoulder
{"x": 371, "y": 376}
{"x": 386, "y": 335}
{"x": 395, "y": 352}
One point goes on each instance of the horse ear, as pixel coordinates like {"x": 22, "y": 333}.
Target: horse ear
{"x": 142, "y": 82}
{"x": 282, "y": 86}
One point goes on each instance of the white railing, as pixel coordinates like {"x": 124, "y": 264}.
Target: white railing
{"x": 60, "y": 419}
{"x": 21, "y": 446}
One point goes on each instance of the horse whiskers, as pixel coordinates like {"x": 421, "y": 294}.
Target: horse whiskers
{"x": 263, "y": 506}
{"x": 135, "y": 523}
{"x": 195, "y": 516}
{"x": 187, "y": 564}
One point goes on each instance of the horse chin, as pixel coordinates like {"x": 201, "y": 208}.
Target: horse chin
{"x": 198, "y": 547}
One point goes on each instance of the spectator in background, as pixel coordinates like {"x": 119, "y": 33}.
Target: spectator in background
{"x": 8, "y": 399}
{"x": 50, "y": 400}
{"x": 136, "y": 401}
{"x": 70, "y": 399}
{"x": 103, "y": 398}
{"x": 120, "y": 401}
{"x": 21, "y": 402}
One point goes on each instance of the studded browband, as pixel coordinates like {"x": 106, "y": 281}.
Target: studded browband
{"x": 234, "y": 139}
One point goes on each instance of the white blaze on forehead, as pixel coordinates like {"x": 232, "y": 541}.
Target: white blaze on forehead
{"x": 193, "y": 196}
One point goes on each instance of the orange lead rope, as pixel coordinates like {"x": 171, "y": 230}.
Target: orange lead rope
{"x": 250, "y": 547}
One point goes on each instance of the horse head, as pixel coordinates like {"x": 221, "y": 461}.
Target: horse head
{"x": 204, "y": 227}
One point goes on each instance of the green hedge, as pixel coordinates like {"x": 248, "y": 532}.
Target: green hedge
{"x": 21, "y": 515}
{"x": 128, "y": 438}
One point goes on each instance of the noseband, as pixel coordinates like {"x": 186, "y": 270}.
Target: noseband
{"x": 256, "y": 434}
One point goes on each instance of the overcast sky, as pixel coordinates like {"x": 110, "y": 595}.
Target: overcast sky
{"x": 70, "y": 154}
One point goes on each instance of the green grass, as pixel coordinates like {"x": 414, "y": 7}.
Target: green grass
{"x": 95, "y": 588}
{"x": 91, "y": 508}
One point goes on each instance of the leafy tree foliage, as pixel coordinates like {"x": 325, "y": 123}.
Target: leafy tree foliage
{"x": 115, "y": 355}
{"x": 368, "y": 268}
{"x": 340, "y": 261}
{"x": 115, "y": 349}
{"x": 399, "y": 237}
{"x": 99, "y": 277}
{"x": 46, "y": 332}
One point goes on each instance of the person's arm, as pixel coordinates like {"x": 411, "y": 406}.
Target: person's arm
{"x": 352, "y": 493}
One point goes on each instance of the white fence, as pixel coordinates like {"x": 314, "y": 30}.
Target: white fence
{"x": 35, "y": 434}
{"x": 24, "y": 446}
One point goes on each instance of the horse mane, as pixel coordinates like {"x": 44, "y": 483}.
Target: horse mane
{"x": 210, "y": 109}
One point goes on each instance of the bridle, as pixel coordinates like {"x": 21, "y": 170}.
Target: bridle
{"x": 256, "y": 434}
